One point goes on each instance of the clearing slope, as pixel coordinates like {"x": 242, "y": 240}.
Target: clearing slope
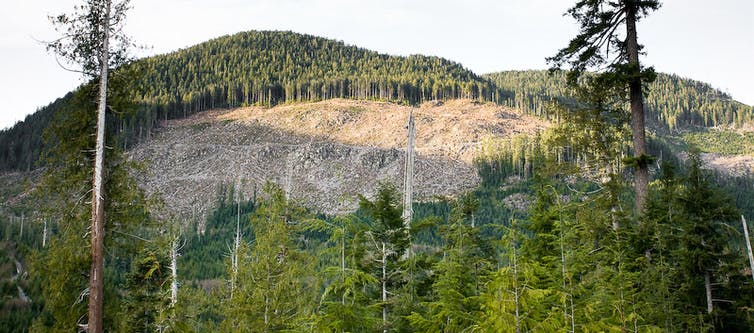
{"x": 324, "y": 154}
{"x": 452, "y": 129}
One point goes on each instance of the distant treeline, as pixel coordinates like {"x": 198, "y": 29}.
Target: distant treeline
{"x": 268, "y": 68}
{"x": 674, "y": 103}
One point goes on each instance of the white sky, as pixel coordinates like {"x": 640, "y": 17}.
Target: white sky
{"x": 711, "y": 41}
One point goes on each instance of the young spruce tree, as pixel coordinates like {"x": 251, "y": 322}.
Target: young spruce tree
{"x": 274, "y": 288}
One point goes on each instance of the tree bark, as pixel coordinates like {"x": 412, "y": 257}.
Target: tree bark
{"x": 96, "y": 275}
{"x": 44, "y": 234}
{"x": 708, "y": 290}
{"x": 408, "y": 182}
{"x": 641, "y": 172}
{"x": 236, "y": 245}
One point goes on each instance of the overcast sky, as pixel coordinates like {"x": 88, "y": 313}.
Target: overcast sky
{"x": 711, "y": 41}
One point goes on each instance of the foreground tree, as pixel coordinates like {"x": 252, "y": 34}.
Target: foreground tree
{"x": 62, "y": 267}
{"x": 147, "y": 301}
{"x": 598, "y": 47}
{"x": 344, "y": 304}
{"x": 458, "y": 277}
{"x": 274, "y": 288}
{"x": 388, "y": 241}
{"x": 92, "y": 39}
{"x": 703, "y": 250}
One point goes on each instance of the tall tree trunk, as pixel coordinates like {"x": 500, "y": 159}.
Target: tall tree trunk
{"x": 384, "y": 289}
{"x": 408, "y": 182}
{"x": 708, "y": 289}
{"x": 236, "y": 245}
{"x": 343, "y": 262}
{"x": 174, "y": 272}
{"x": 748, "y": 245}
{"x": 515, "y": 280}
{"x": 267, "y": 287}
{"x": 44, "y": 234}
{"x": 563, "y": 272}
{"x": 96, "y": 275}
{"x": 641, "y": 173}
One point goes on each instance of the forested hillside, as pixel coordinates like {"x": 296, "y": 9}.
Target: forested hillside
{"x": 674, "y": 103}
{"x": 21, "y": 145}
{"x": 270, "y": 67}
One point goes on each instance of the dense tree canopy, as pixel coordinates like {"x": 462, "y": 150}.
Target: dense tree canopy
{"x": 673, "y": 103}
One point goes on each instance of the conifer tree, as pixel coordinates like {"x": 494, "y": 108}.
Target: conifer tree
{"x": 703, "y": 245}
{"x": 656, "y": 238}
{"x": 387, "y": 240}
{"x": 63, "y": 266}
{"x": 598, "y": 46}
{"x": 146, "y": 305}
{"x": 274, "y": 290}
{"x": 344, "y": 304}
{"x": 458, "y": 277}
{"x": 93, "y": 39}
{"x": 545, "y": 252}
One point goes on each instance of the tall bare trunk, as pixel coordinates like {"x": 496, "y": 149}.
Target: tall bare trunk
{"x": 408, "y": 181}
{"x": 267, "y": 287}
{"x": 384, "y": 289}
{"x": 641, "y": 173}
{"x": 515, "y": 280}
{"x": 174, "y": 272}
{"x": 343, "y": 262}
{"x": 96, "y": 275}
{"x": 44, "y": 234}
{"x": 708, "y": 289}
{"x": 748, "y": 245}
{"x": 236, "y": 245}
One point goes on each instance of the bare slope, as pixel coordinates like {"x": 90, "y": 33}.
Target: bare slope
{"x": 324, "y": 154}
{"x": 451, "y": 129}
